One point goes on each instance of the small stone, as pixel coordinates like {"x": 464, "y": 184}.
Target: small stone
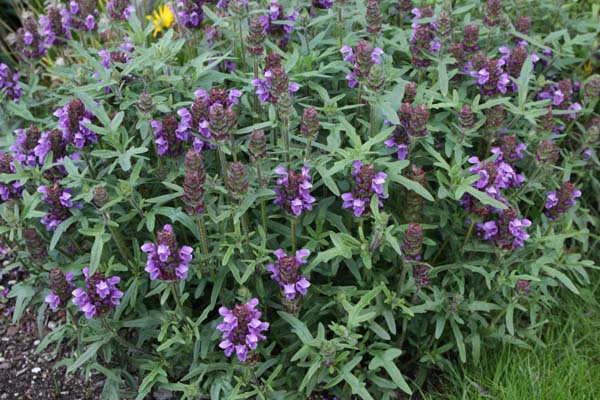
{"x": 36, "y": 342}
{"x": 51, "y": 325}
{"x": 36, "y": 370}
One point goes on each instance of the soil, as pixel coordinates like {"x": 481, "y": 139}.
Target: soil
{"x": 25, "y": 374}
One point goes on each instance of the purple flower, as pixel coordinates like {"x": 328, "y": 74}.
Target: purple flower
{"x": 422, "y": 37}
{"x": 293, "y": 195}
{"x": 509, "y": 150}
{"x": 322, "y": 4}
{"x": 59, "y": 204}
{"x": 9, "y": 83}
{"x": 170, "y": 135}
{"x": 55, "y": 28}
{"x": 362, "y": 57}
{"x": 264, "y": 89}
{"x": 61, "y": 286}
{"x": 560, "y": 201}
{"x": 242, "y": 329}
{"x": 29, "y": 41}
{"x": 561, "y": 96}
{"x": 82, "y": 15}
{"x": 100, "y": 295}
{"x": 490, "y": 74}
{"x": 71, "y": 121}
{"x": 166, "y": 260}
{"x": 366, "y": 183}
{"x": 12, "y": 189}
{"x": 120, "y": 9}
{"x": 285, "y": 272}
{"x": 24, "y": 146}
{"x": 278, "y": 24}
{"x": 507, "y": 232}
{"x": 190, "y": 13}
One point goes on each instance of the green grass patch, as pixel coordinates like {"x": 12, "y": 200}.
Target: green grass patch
{"x": 566, "y": 367}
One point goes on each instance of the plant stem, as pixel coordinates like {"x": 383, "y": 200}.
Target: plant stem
{"x": 177, "y": 300}
{"x": 122, "y": 341}
{"x": 372, "y": 120}
{"x": 293, "y": 232}
{"x": 73, "y": 320}
{"x": 89, "y": 164}
{"x": 307, "y": 151}
{"x": 223, "y": 162}
{"x": 286, "y": 138}
{"x": 202, "y": 234}
{"x": 471, "y": 226}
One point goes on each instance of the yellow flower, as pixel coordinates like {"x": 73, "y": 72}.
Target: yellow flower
{"x": 162, "y": 18}
{"x": 588, "y": 67}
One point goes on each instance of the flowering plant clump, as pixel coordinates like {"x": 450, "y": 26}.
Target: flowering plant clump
{"x": 346, "y": 196}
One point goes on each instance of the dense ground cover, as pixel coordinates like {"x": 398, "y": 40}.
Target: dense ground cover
{"x": 300, "y": 200}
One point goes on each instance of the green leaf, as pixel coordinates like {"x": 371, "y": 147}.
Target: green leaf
{"x": 510, "y": 310}
{"x": 412, "y": 185}
{"x": 483, "y": 197}
{"x": 443, "y": 78}
{"x": 386, "y": 360}
{"x": 460, "y": 343}
{"x": 23, "y": 293}
{"x": 298, "y": 326}
{"x": 62, "y": 228}
{"x": 523, "y": 81}
{"x": 87, "y": 355}
{"x": 96, "y": 253}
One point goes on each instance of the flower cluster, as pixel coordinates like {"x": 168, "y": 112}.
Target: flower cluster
{"x": 71, "y": 121}
{"x": 52, "y": 142}
{"x": 29, "y": 40}
{"x": 100, "y": 295}
{"x": 470, "y": 42}
{"x": 242, "y": 329}
{"x": 412, "y": 248}
{"x": 278, "y": 24}
{"x": 24, "y": 146}
{"x": 82, "y": 15}
{"x": 367, "y": 182}
{"x": 558, "y": 202}
{"x": 55, "y": 28}
{"x": 109, "y": 58}
{"x": 285, "y": 273}
{"x": 322, "y": 4}
{"x": 413, "y": 123}
{"x": 422, "y": 38}
{"x": 59, "y": 201}
{"x": 193, "y": 183}
{"x": 60, "y": 288}
{"x": 514, "y": 59}
{"x": 170, "y": 136}
{"x": 490, "y": 74}
{"x": 12, "y": 189}
{"x": 120, "y": 9}
{"x": 274, "y": 82}
{"x": 9, "y": 83}
{"x": 362, "y": 57}
{"x": 507, "y": 232}
{"x": 561, "y": 95}
{"x": 190, "y": 13}
{"x": 166, "y": 260}
{"x": 257, "y": 33}
{"x": 509, "y": 150}
{"x": 211, "y": 115}
{"x": 293, "y": 195}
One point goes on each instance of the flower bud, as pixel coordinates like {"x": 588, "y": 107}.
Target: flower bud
{"x": 256, "y": 36}
{"x": 466, "y": 119}
{"x": 376, "y": 78}
{"x": 493, "y": 13}
{"x": 145, "y": 103}
{"x": 309, "y": 126}
{"x": 258, "y": 145}
{"x": 414, "y": 202}
{"x": 410, "y": 92}
{"x": 592, "y": 88}
{"x": 470, "y": 41}
{"x": 193, "y": 183}
{"x": 547, "y": 152}
{"x": 418, "y": 121}
{"x": 413, "y": 242}
{"x": 373, "y": 17}
{"x": 494, "y": 118}
{"x": 218, "y": 122}
{"x": 421, "y": 275}
{"x": 237, "y": 181}
{"x": 34, "y": 243}
{"x": 100, "y": 196}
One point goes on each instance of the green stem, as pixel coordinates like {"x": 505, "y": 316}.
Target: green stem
{"x": 178, "y": 300}
{"x": 202, "y": 234}
{"x": 118, "y": 238}
{"x": 256, "y": 103}
{"x": 307, "y": 151}
{"x": 286, "y": 138}
{"x": 223, "y": 162}
{"x": 72, "y": 319}
{"x": 122, "y": 341}
{"x": 242, "y": 42}
{"x": 471, "y": 226}
{"x": 293, "y": 232}
{"x": 372, "y": 120}
{"x": 89, "y": 164}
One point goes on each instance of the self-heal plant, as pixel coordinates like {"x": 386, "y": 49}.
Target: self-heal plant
{"x": 367, "y": 182}
{"x": 166, "y": 260}
{"x": 285, "y": 271}
{"x": 293, "y": 193}
{"x": 99, "y": 296}
{"x": 242, "y": 329}
{"x": 61, "y": 286}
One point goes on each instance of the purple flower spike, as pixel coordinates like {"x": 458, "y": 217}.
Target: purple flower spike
{"x": 507, "y": 232}
{"x": 285, "y": 272}
{"x": 560, "y": 201}
{"x": 99, "y": 296}
{"x": 71, "y": 121}
{"x": 24, "y": 147}
{"x": 59, "y": 204}
{"x": 293, "y": 195}
{"x": 366, "y": 183}
{"x": 166, "y": 260}
{"x": 12, "y": 189}
{"x": 61, "y": 286}
{"x": 362, "y": 57}
{"x": 242, "y": 329}
{"x": 9, "y": 83}
{"x": 54, "y": 26}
